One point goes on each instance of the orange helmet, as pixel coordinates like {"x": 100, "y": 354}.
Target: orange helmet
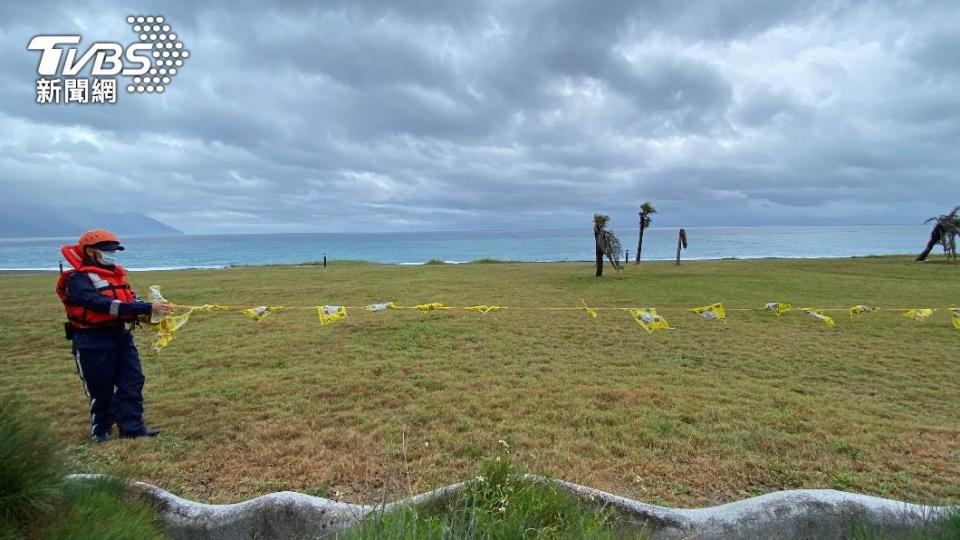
{"x": 98, "y": 236}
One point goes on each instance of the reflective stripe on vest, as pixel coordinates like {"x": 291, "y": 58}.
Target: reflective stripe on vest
{"x": 98, "y": 282}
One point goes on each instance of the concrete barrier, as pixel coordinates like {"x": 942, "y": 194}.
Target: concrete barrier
{"x": 795, "y": 514}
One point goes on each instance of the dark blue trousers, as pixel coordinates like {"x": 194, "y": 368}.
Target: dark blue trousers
{"x": 113, "y": 380}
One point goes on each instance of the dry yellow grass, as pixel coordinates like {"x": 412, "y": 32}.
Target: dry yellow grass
{"x": 387, "y": 404}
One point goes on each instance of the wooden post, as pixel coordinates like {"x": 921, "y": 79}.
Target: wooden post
{"x": 324, "y": 260}
{"x": 681, "y": 243}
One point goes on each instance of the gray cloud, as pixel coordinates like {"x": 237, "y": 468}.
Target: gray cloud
{"x": 380, "y": 115}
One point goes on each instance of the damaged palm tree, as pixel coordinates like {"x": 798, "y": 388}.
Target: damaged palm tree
{"x": 945, "y": 231}
{"x": 645, "y": 210}
{"x": 607, "y": 244}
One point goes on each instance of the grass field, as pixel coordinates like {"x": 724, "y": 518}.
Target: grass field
{"x": 382, "y": 405}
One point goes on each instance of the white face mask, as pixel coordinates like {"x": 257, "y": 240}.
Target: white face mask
{"x": 109, "y": 257}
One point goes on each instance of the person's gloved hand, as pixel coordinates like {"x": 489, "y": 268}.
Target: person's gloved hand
{"x": 161, "y": 309}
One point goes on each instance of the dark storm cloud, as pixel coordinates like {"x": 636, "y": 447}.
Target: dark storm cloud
{"x": 381, "y": 115}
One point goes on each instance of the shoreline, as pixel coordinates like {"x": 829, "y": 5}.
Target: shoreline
{"x": 490, "y": 261}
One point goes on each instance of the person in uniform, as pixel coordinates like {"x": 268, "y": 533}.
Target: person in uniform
{"x": 102, "y": 310}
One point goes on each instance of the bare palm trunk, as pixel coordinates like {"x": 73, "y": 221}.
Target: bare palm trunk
{"x": 596, "y": 239}
{"x": 681, "y": 243}
{"x": 640, "y": 242}
{"x": 935, "y": 236}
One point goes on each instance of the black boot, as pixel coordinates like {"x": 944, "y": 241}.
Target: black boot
{"x": 145, "y": 432}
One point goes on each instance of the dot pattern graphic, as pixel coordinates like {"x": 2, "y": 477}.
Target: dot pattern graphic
{"x": 167, "y": 53}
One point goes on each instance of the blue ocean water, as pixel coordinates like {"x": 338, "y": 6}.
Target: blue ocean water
{"x": 214, "y": 251}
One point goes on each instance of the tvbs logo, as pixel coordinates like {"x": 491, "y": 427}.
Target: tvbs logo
{"x": 150, "y": 63}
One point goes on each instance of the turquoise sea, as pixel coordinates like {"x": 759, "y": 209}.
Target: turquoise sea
{"x": 216, "y": 251}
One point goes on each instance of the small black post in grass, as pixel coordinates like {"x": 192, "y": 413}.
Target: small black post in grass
{"x": 324, "y": 260}
{"x": 681, "y": 243}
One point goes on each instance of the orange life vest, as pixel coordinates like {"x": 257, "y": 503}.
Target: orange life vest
{"x": 111, "y": 282}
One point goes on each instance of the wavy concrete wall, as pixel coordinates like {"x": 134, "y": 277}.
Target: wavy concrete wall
{"x": 804, "y": 513}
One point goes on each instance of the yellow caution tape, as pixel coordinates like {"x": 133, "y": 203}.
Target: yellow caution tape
{"x": 331, "y": 314}
{"x": 260, "y": 312}
{"x": 484, "y": 309}
{"x": 648, "y": 319}
{"x": 816, "y": 314}
{"x": 777, "y": 308}
{"x": 918, "y": 314}
{"x": 590, "y": 312}
{"x": 208, "y": 308}
{"x": 433, "y": 306}
{"x": 713, "y": 311}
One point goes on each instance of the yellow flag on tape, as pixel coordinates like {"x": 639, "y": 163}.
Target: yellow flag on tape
{"x": 918, "y": 314}
{"x": 484, "y": 309}
{"x": 590, "y": 312}
{"x": 433, "y": 306}
{"x": 260, "y": 312}
{"x": 713, "y": 311}
{"x": 648, "y": 319}
{"x": 382, "y": 307}
{"x": 777, "y": 308}
{"x": 956, "y": 317}
{"x": 331, "y": 314}
{"x": 860, "y": 309}
{"x": 816, "y": 314}
{"x": 166, "y": 328}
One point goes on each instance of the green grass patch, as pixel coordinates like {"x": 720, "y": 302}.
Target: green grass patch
{"x": 31, "y": 467}
{"x": 500, "y": 501}
{"x": 98, "y": 509}
{"x": 935, "y": 528}
{"x": 36, "y": 502}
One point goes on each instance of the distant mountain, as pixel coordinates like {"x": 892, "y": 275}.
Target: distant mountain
{"x": 44, "y": 221}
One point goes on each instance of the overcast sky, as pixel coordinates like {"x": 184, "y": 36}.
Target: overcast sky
{"x": 443, "y": 115}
